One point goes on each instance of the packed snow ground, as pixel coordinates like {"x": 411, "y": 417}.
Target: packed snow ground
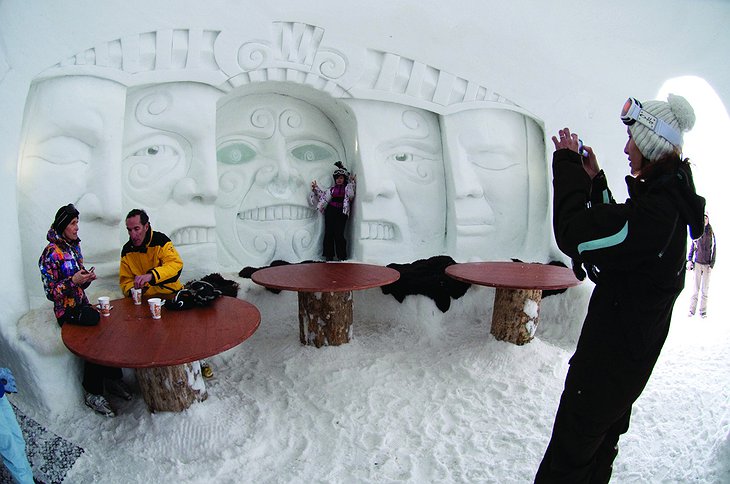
{"x": 431, "y": 398}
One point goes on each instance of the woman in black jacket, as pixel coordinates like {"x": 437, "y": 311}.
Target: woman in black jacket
{"x": 635, "y": 253}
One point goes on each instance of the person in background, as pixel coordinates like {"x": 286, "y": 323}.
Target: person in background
{"x": 64, "y": 280}
{"x": 701, "y": 260}
{"x": 12, "y": 443}
{"x": 149, "y": 261}
{"x": 635, "y": 254}
{"x": 335, "y": 204}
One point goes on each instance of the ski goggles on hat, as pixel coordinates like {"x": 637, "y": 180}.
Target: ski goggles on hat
{"x": 633, "y": 112}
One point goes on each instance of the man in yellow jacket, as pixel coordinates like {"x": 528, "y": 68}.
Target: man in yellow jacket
{"x": 149, "y": 260}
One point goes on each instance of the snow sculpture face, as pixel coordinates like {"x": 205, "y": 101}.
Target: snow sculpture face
{"x": 270, "y": 148}
{"x": 487, "y": 173}
{"x": 169, "y": 166}
{"x": 72, "y": 154}
{"x": 401, "y": 193}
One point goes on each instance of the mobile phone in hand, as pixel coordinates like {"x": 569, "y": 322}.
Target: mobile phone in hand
{"x": 581, "y": 150}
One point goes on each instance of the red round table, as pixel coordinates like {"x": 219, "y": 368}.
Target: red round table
{"x": 164, "y": 352}
{"x": 325, "y": 295}
{"x": 519, "y": 292}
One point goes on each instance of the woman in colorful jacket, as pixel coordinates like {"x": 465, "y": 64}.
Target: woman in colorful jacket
{"x": 701, "y": 260}
{"x": 635, "y": 253}
{"x": 335, "y": 204}
{"x": 64, "y": 279}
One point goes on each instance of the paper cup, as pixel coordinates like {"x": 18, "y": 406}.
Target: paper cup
{"x": 155, "y": 307}
{"x": 104, "y": 306}
{"x": 137, "y": 295}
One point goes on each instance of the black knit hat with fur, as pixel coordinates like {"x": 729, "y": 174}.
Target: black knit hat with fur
{"x": 64, "y": 216}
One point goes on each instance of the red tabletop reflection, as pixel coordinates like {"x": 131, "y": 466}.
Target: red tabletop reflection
{"x": 325, "y": 277}
{"x": 514, "y": 275}
{"x": 130, "y": 338}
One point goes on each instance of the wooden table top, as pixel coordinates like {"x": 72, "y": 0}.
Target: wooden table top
{"x": 514, "y": 275}
{"x": 325, "y": 277}
{"x": 130, "y": 338}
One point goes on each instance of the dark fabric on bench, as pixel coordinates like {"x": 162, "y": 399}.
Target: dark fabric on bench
{"x": 427, "y": 277}
{"x": 225, "y": 286}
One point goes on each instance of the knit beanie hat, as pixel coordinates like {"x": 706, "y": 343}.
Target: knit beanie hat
{"x": 64, "y": 216}
{"x": 677, "y": 113}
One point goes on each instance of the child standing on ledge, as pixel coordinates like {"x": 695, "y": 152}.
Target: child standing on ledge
{"x": 335, "y": 204}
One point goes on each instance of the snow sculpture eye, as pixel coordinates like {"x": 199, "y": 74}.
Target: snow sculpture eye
{"x": 62, "y": 150}
{"x": 158, "y": 161}
{"x": 403, "y": 157}
{"x": 156, "y": 150}
{"x": 235, "y": 153}
{"x": 416, "y": 164}
{"x": 314, "y": 152}
{"x": 492, "y": 160}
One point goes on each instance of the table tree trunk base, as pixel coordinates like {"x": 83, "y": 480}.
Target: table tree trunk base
{"x": 171, "y": 388}
{"x": 325, "y": 318}
{"x": 515, "y": 314}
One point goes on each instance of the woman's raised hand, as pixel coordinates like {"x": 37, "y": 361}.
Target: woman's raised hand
{"x": 566, "y": 140}
{"x": 570, "y": 141}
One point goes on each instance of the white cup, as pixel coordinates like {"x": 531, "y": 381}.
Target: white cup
{"x": 155, "y": 307}
{"x": 137, "y": 295}
{"x": 104, "y": 306}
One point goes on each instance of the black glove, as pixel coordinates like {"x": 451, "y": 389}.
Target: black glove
{"x": 83, "y": 315}
{"x": 580, "y": 274}
{"x": 184, "y": 299}
{"x": 204, "y": 292}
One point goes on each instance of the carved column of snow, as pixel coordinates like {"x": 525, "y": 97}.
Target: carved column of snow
{"x": 172, "y": 388}
{"x": 515, "y": 314}
{"x": 325, "y": 318}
